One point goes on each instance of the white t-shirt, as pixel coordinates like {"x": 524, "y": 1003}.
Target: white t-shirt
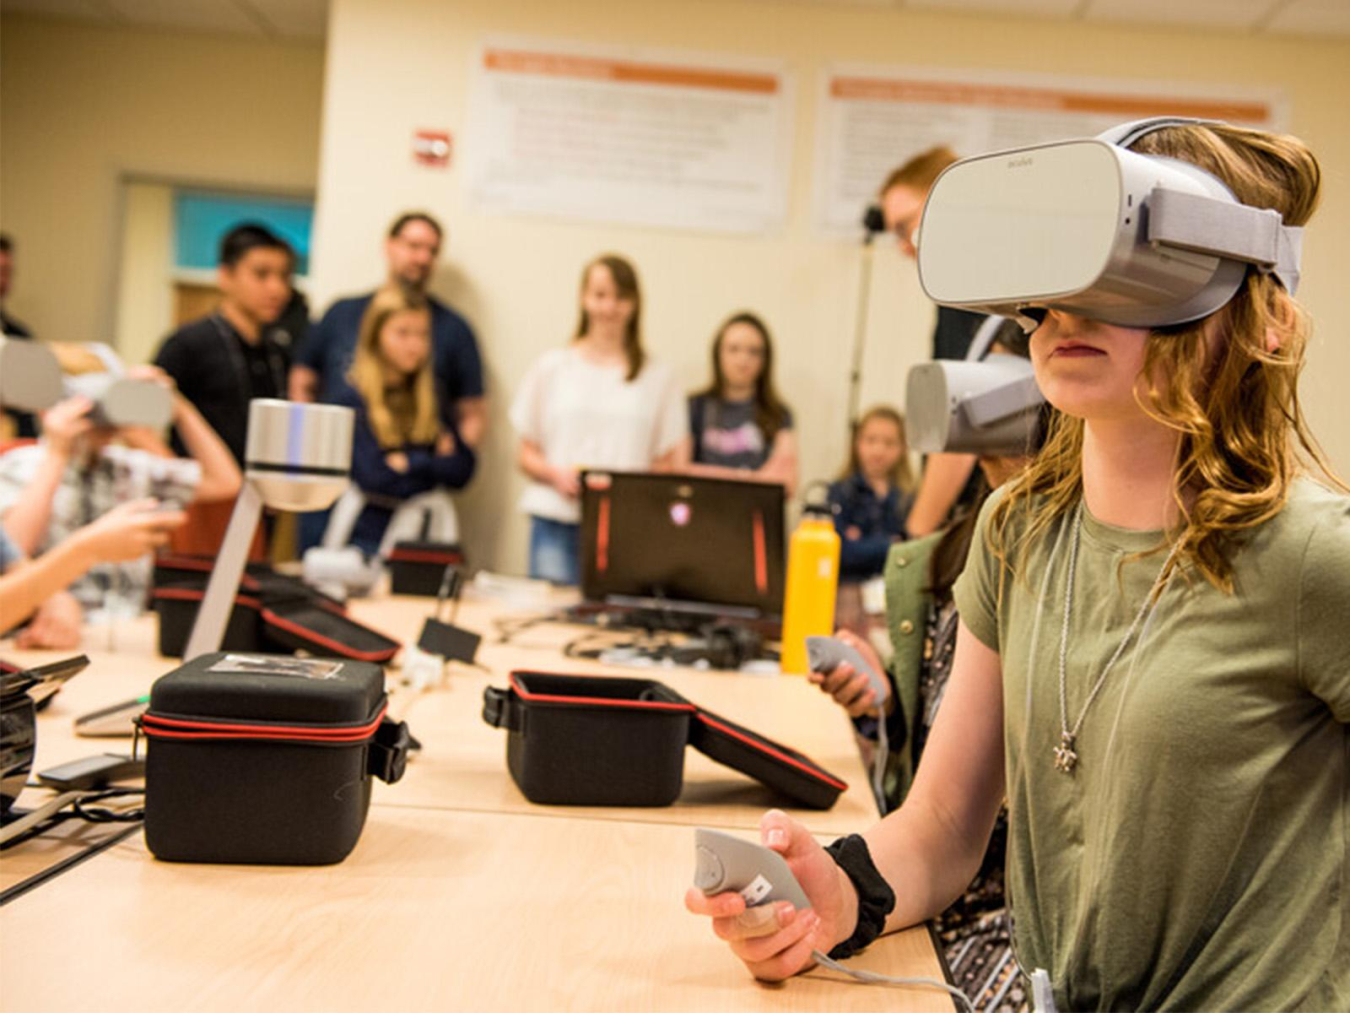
{"x": 584, "y": 415}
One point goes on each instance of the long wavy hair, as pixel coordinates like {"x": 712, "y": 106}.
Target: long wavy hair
{"x": 770, "y": 412}
{"x": 1242, "y": 435}
{"x": 626, "y": 283}
{"x": 369, "y": 377}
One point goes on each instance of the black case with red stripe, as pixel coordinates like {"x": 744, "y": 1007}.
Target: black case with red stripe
{"x": 419, "y": 567}
{"x": 272, "y": 612}
{"x": 595, "y": 740}
{"x": 265, "y": 768}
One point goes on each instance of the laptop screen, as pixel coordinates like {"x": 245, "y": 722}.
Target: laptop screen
{"x": 678, "y": 540}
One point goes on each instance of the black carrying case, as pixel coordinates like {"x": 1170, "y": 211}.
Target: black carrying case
{"x": 272, "y": 612}
{"x": 595, "y": 740}
{"x": 419, "y": 567}
{"x": 265, "y": 759}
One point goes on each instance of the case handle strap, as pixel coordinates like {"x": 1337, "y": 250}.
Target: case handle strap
{"x": 499, "y": 709}
{"x": 388, "y": 756}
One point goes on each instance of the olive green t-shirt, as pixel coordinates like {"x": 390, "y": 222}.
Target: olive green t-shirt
{"x": 1197, "y": 856}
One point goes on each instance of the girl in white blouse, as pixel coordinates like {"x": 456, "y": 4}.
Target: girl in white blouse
{"x": 600, "y": 402}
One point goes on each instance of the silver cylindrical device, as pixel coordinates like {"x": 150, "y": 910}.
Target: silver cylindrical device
{"x": 298, "y": 455}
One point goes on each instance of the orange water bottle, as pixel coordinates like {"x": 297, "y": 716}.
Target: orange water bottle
{"x": 812, "y": 580}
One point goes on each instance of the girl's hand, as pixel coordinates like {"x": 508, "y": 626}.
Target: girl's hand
{"x": 567, "y": 482}
{"x": 775, "y": 941}
{"x": 850, "y": 688}
{"x": 853, "y": 532}
{"x": 445, "y": 445}
{"x": 64, "y": 423}
{"x": 128, "y": 531}
{"x": 397, "y": 461}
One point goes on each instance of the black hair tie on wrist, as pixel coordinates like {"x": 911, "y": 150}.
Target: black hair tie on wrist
{"x": 876, "y": 899}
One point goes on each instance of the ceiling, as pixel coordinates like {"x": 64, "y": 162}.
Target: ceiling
{"x": 308, "y": 19}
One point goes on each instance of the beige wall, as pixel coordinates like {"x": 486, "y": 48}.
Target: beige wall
{"x": 398, "y": 65}
{"x": 83, "y": 107}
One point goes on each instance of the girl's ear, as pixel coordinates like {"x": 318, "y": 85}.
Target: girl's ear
{"x": 1274, "y": 338}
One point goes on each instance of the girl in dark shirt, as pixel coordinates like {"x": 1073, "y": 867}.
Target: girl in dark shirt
{"x": 873, "y": 494}
{"x": 740, "y": 427}
{"x": 405, "y": 441}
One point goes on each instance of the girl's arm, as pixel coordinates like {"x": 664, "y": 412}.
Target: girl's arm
{"x": 927, "y": 851}
{"x": 781, "y": 467}
{"x": 944, "y": 476}
{"x": 123, "y": 533}
{"x": 221, "y": 477}
{"x": 536, "y": 466}
{"x": 27, "y": 520}
{"x": 452, "y": 462}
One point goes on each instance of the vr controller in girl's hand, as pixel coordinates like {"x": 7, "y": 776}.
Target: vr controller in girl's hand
{"x": 825, "y": 654}
{"x": 725, "y": 863}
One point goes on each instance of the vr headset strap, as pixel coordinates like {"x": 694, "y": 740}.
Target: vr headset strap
{"x": 1224, "y": 228}
{"x": 984, "y": 337}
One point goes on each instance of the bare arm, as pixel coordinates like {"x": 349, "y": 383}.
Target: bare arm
{"x": 471, "y": 417}
{"x": 536, "y": 466}
{"x": 944, "y": 476}
{"x": 781, "y": 467}
{"x": 931, "y": 847}
{"x": 678, "y": 457}
{"x": 303, "y": 384}
{"x": 927, "y": 850}
{"x": 125, "y": 532}
{"x": 27, "y": 520}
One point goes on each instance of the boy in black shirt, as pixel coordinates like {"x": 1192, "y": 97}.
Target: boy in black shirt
{"x": 223, "y": 361}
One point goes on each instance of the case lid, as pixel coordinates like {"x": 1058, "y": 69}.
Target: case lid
{"x": 772, "y": 763}
{"x": 319, "y": 628}
{"x": 271, "y": 687}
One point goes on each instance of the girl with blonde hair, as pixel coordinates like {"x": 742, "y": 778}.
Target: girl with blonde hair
{"x": 1152, "y": 666}
{"x": 405, "y": 441}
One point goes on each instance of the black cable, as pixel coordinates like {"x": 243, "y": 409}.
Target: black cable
{"x": 51, "y": 872}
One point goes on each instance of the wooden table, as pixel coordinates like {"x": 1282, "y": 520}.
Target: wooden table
{"x": 460, "y": 894}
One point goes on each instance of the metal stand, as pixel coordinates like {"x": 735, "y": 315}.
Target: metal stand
{"x": 214, "y": 615}
{"x": 860, "y": 331}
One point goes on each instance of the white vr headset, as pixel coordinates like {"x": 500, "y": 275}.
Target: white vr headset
{"x": 30, "y": 376}
{"x": 986, "y": 404}
{"x": 1091, "y": 228}
{"x": 31, "y": 381}
{"x": 1084, "y": 226}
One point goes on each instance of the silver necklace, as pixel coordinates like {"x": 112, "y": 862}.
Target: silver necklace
{"x": 1066, "y": 757}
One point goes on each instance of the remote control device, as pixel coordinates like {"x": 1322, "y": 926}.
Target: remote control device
{"x": 827, "y": 653}
{"x": 724, "y": 862}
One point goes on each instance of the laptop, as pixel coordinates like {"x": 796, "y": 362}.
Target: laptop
{"x": 709, "y": 548}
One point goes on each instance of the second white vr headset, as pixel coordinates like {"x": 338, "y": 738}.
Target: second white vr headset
{"x": 1092, "y": 228}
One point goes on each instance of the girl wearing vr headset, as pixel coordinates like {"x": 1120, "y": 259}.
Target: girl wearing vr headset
{"x": 1153, "y": 665}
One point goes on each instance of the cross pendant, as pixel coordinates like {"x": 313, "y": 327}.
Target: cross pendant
{"x": 1065, "y": 757}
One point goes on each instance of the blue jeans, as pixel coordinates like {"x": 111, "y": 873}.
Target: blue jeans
{"x": 553, "y": 550}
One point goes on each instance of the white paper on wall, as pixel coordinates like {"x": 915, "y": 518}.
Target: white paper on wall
{"x": 634, "y": 136}
{"x": 875, "y": 118}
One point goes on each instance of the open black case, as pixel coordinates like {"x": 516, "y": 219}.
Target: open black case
{"x": 272, "y": 612}
{"x": 593, "y": 740}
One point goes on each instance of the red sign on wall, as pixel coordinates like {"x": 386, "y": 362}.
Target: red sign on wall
{"x": 432, "y": 148}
